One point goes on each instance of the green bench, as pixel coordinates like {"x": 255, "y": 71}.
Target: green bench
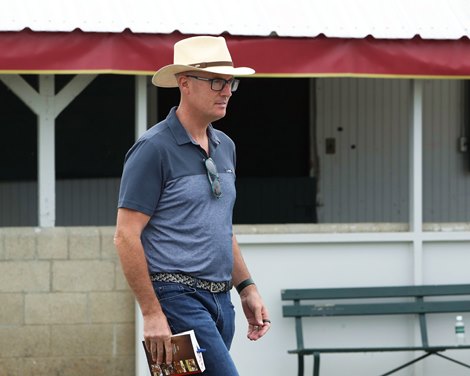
{"x": 363, "y": 301}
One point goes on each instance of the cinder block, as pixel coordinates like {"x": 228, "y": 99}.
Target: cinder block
{"x": 84, "y": 243}
{"x": 82, "y": 275}
{"x": 114, "y": 306}
{"x": 20, "y": 243}
{"x": 24, "y": 341}
{"x": 40, "y": 366}
{"x": 124, "y": 366}
{"x": 108, "y": 250}
{"x": 27, "y": 276}
{"x": 52, "y": 243}
{"x": 10, "y": 367}
{"x": 124, "y": 339}
{"x": 82, "y": 340}
{"x": 56, "y": 308}
{"x": 68, "y": 366}
{"x": 11, "y": 309}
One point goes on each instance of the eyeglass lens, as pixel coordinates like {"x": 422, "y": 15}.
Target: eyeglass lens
{"x": 213, "y": 177}
{"x": 218, "y": 84}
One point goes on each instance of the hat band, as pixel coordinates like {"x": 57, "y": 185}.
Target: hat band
{"x": 212, "y": 64}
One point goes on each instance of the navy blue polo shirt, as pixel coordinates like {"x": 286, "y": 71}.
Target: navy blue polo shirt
{"x": 164, "y": 177}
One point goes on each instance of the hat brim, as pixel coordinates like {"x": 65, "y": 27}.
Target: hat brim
{"x": 165, "y": 77}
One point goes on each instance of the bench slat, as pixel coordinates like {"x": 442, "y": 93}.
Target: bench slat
{"x": 375, "y": 292}
{"x": 375, "y": 308}
{"x": 310, "y": 351}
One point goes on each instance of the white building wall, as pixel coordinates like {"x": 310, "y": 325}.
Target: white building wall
{"x": 366, "y": 179}
{"x": 314, "y": 261}
{"x": 446, "y": 175}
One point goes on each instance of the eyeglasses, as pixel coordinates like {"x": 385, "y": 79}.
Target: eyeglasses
{"x": 218, "y": 84}
{"x": 213, "y": 177}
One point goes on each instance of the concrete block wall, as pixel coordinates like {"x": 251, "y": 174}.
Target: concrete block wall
{"x": 65, "y": 307}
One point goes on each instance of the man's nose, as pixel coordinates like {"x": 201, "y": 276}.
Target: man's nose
{"x": 227, "y": 90}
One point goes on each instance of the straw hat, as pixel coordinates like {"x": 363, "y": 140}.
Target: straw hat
{"x": 203, "y": 53}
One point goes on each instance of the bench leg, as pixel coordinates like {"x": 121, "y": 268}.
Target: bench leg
{"x": 453, "y": 360}
{"x": 316, "y": 364}
{"x": 300, "y": 361}
{"x": 407, "y": 364}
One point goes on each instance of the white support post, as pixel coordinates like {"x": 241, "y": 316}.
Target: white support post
{"x": 416, "y": 192}
{"x": 416, "y": 178}
{"x": 416, "y": 154}
{"x": 52, "y": 106}
{"x": 141, "y": 367}
{"x": 46, "y": 152}
{"x": 311, "y": 128}
{"x": 47, "y": 106}
{"x": 140, "y": 105}
{"x": 313, "y": 151}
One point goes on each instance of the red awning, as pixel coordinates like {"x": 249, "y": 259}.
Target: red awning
{"x": 129, "y": 53}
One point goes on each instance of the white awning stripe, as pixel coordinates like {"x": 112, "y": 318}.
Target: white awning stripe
{"x": 382, "y": 19}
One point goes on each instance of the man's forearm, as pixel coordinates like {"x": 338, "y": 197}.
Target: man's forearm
{"x": 240, "y": 271}
{"x": 134, "y": 266}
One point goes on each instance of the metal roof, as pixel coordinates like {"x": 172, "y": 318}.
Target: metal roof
{"x": 381, "y": 19}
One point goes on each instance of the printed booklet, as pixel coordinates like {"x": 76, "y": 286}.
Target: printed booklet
{"x": 187, "y": 357}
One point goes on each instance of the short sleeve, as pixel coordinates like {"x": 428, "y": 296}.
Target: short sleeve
{"x": 142, "y": 178}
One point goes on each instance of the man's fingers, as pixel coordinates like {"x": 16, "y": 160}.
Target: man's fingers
{"x": 255, "y": 332}
{"x": 156, "y": 334}
{"x": 258, "y": 314}
{"x": 168, "y": 351}
{"x": 160, "y": 350}
{"x": 154, "y": 351}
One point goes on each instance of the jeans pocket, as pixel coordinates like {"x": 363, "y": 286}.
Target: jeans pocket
{"x": 169, "y": 291}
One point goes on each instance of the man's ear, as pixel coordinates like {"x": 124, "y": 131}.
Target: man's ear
{"x": 182, "y": 81}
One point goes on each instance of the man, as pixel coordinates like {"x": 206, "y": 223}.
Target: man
{"x": 174, "y": 225}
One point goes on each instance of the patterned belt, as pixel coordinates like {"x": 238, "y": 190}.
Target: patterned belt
{"x": 184, "y": 279}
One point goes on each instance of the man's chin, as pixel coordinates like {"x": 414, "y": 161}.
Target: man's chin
{"x": 219, "y": 115}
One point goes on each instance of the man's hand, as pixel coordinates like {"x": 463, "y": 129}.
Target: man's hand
{"x": 157, "y": 333}
{"x": 157, "y": 336}
{"x": 256, "y": 313}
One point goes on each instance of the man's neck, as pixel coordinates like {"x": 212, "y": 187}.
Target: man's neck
{"x": 196, "y": 128}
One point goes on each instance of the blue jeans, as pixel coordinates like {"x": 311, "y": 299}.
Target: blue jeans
{"x": 212, "y": 316}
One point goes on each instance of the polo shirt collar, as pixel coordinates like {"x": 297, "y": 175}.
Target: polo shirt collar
{"x": 212, "y": 135}
{"x": 177, "y": 129}
{"x": 181, "y": 135}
